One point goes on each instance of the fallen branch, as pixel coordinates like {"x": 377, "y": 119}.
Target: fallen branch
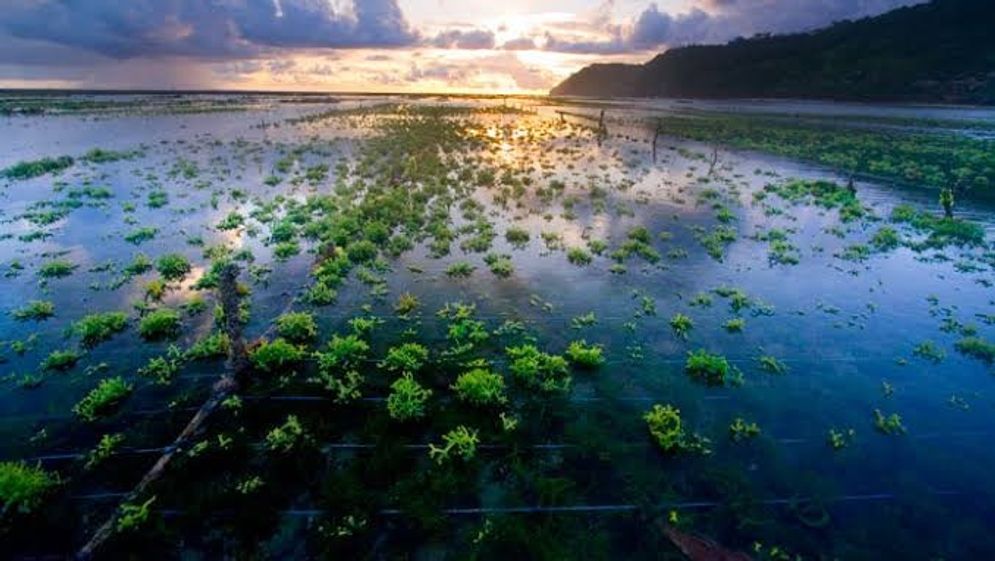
{"x": 235, "y": 374}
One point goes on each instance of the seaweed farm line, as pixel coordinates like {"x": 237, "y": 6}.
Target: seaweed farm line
{"x": 476, "y": 328}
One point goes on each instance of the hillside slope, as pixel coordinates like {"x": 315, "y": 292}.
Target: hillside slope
{"x": 943, "y": 51}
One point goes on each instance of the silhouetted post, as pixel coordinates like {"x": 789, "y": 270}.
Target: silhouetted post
{"x": 656, "y": 136}
{"x": 947, "y": 201}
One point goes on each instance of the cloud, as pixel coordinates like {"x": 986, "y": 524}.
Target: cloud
{"x": 470, "y": 40}
{"x": 520, "y": 44}
{"x": 206, "y": 28}
{"x": 715, "y": 21}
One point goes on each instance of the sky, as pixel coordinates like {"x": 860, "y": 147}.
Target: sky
{"x": 445, "y": 46}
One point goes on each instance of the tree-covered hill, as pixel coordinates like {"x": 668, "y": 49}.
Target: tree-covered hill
{"x": 942, "y": 51}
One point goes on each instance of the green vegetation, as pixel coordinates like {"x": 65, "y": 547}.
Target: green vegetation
{"x": 407, "y": 398}
{"x": 173, "y": 266}
{"x": 97, "y": 328}
{"x": 940, "y": 232}
{"x": 978, "y": 348}
{"x": 888, "y": 424}
{"x": 734, "y": 325}
{"x": 103, "y": 399}
{"x": 160, "y": 324}
{"x": 56, "y": 269}
{"x": 667, "y": 429}
{"x": 772, "y": 365}
{"x": 584, "y": 355}
{"x": 287, "y": 437}
{"x": 408, "y": 357}
{"x": 36, "y": 310}
{"x": 277, "y": 355}
{"x": 406, "y": 304}
{"x": 162, "y": 369}
{"x": 345, "y": 350}
{"x": 61, "y": 361}
{"x": 500, "y": 265}
{"x": 297, "y": 327}
{"x": 930, "y": 351}
{"x": 480, "y": 387}
{"x": 741, "y": 430}
{"x": 681, "y": 325}
{"x": 517, "y": 237}
{"x": 713, "y": 370}
{"x": 23, "y": 488}
{"x": 460, "y": 269}
{"x": 460, "y": 442}
{"x": 141, "y": 235}
{"x": 105, "y": 448}
{"x": 133, "y": 517}
{"x": 536, "y": 369}
{"x": 579, "y": 256}
{"x": 840, "y": 439}
{"x": 37, "y": 168}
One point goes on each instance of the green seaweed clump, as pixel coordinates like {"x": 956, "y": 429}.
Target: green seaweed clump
{"x": 56, "y": 269}
{"x": 536, "y": 369}
{"x": 60, "y": 361}
{"x": 771, "y": 364}
{"x": 173, "y": 266}
{"x": 499, "y": 264}
{"x": 297, "y": 327}
{"x": 713, "y": 370}
{"x": 37, "y": 168}
{"x": 23, "y": 487}
{"x": 741, "y": 430}
{"x": 976, "y": 347}
{"x": 97, "y": 328}
{"x": 579, "y": 256}
{"x": 667, "y": 429}
{"x": 480, "y": 387}
{"x": 584, "y": 355}
{"x": 408, "y": 357}
{"x": 407, "y": 398}
{"x": 103, "y": 399}
{"x": 273, "y": 356}
{"x": 160, "y": 324}
{"x": 108, "y": 445}
{"x": 840, "y": 439}
{"x": 132, "y": 517}
{"x": 36, "y": 310}
{"x": 681, "y": 325}
{"x": 888, "y": 424}
{"x": 287, "y": 437}
{"x": 460, "y": 442}
{"x": 940, "y": 231}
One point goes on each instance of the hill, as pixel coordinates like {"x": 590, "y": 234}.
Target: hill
{"x": 943, "y": 51}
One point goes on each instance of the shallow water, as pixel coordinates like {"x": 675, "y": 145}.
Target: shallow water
{"x": 845, "y": 330}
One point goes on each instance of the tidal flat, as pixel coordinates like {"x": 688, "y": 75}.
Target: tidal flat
{"x": 488, "y": 327}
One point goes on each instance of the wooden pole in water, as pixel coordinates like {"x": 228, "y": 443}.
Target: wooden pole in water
{"x": 235, "y": 374}
{"x": 656, "y": 136}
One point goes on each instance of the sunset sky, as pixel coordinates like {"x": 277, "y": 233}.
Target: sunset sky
{"x": 522, "y": 46}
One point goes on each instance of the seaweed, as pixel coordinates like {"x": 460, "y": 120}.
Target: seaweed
{"x": 407, "y": 398}
{"x": 160, "y": 324}
{"x": 97, "y": 328}
{"x": 103, "y": 399}
{"x": 711, "y": 369}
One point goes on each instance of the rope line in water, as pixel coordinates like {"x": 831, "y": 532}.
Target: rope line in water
{"x": 582, "y": 508}
{"x": 332, "y": 446}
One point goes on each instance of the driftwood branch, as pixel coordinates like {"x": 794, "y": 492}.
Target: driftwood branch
{"x": 230, "y": 382}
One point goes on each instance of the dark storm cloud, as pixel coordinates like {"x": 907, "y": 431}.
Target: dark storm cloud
{"x": 717, "y": 21}
{"x": 206, "y": 28}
